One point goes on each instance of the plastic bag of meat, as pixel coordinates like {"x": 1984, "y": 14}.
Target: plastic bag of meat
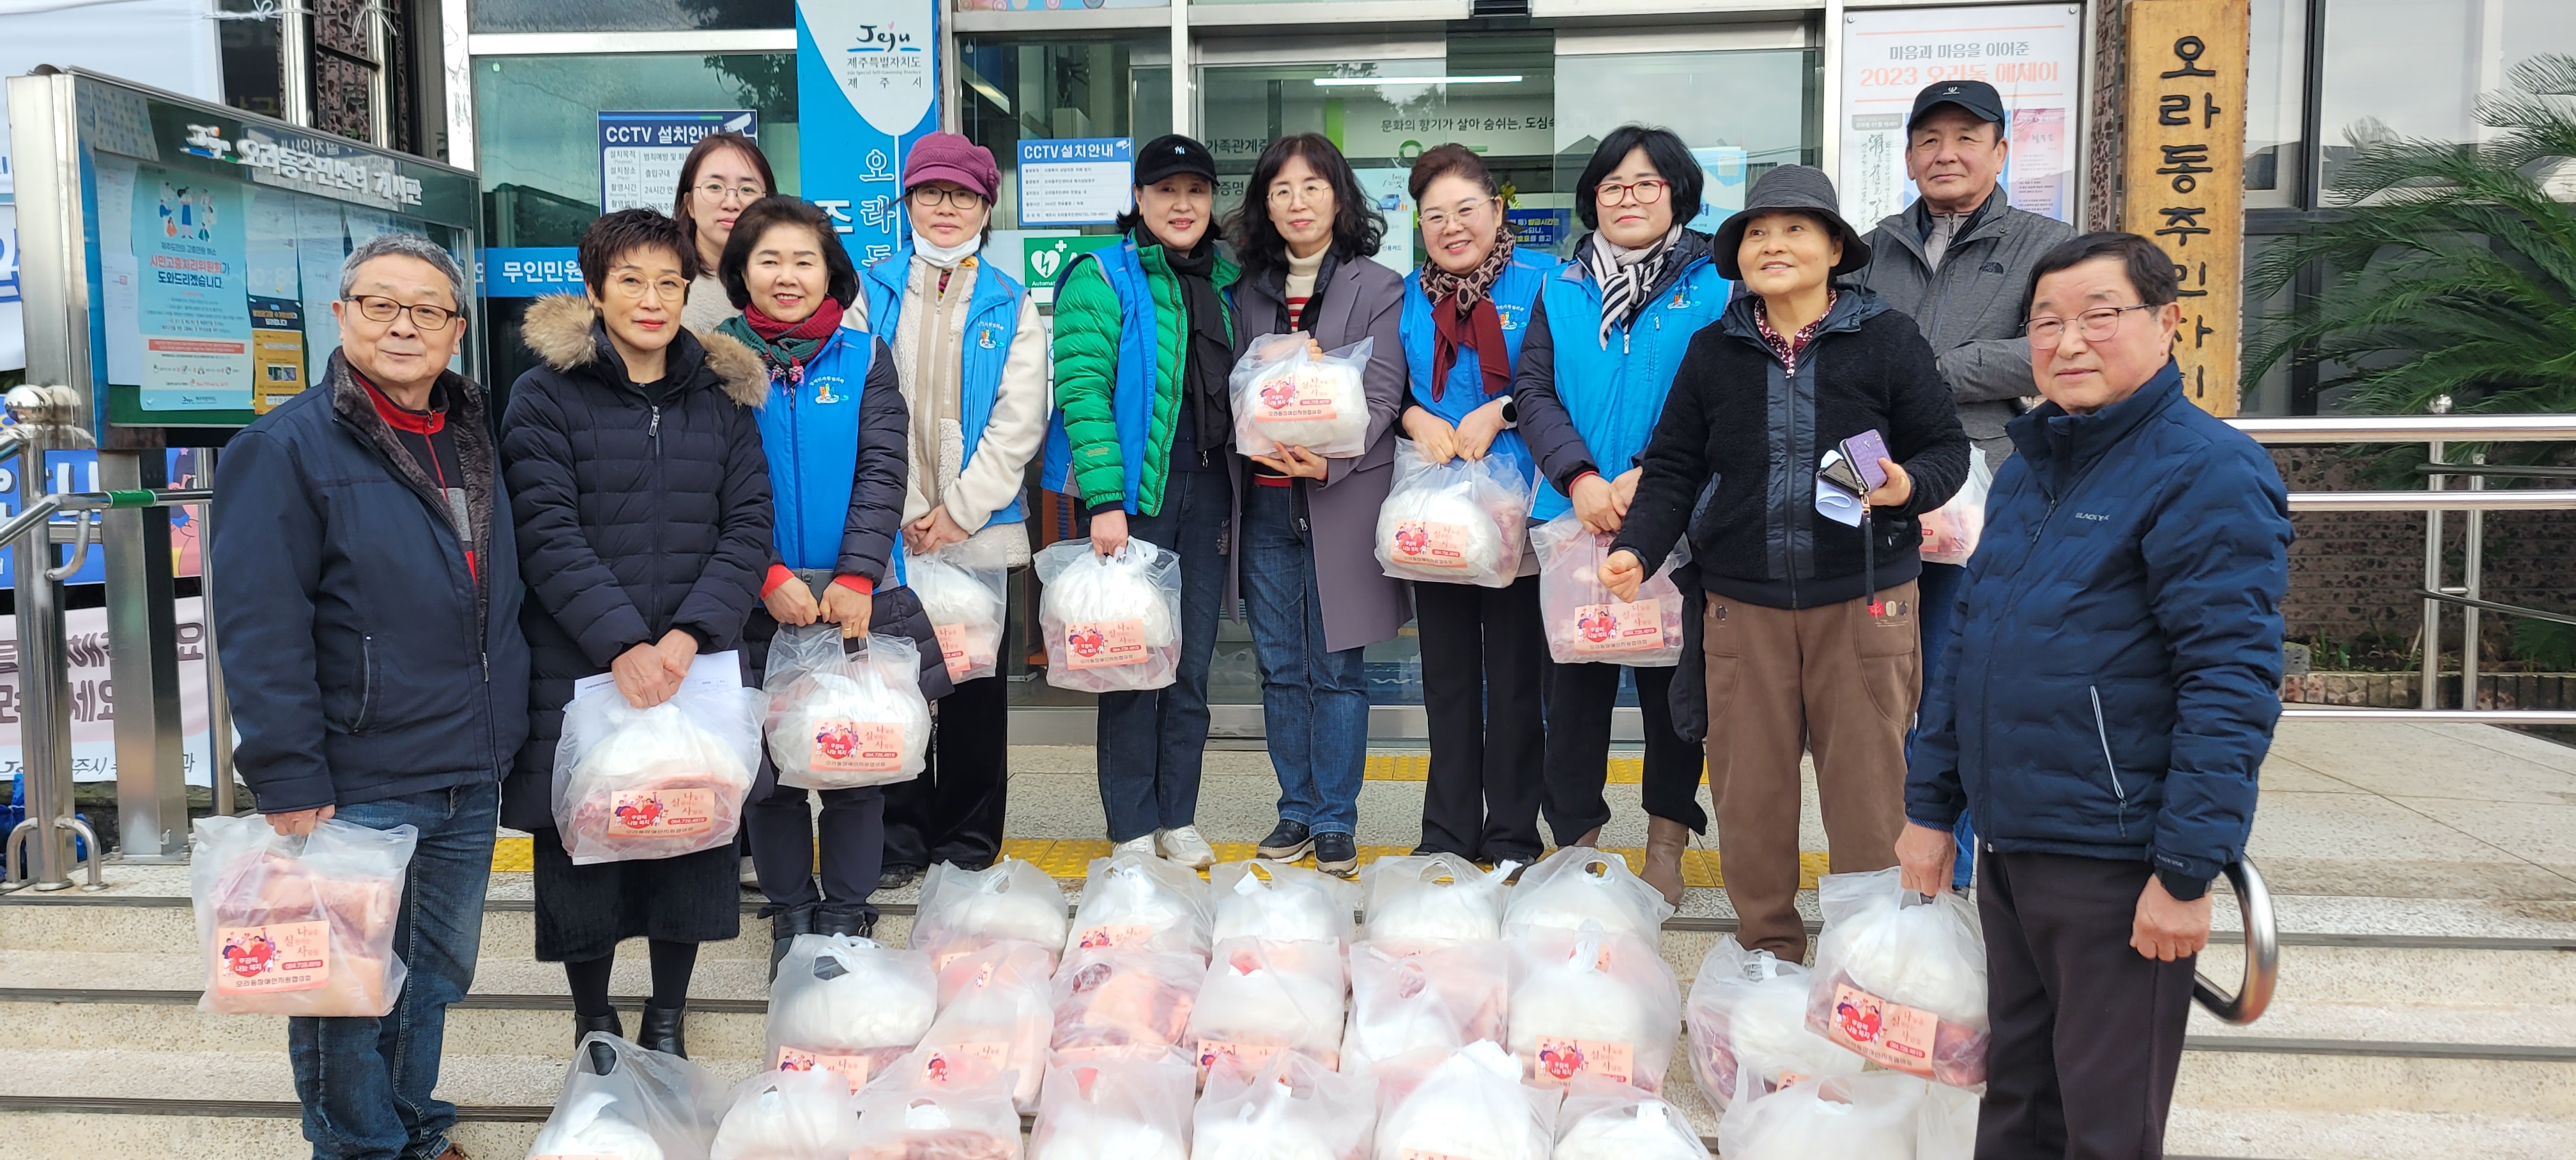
{"x": 1441, "y": 998}
{"x": 638, "y": 784}
{"x": 1262, "y": 998}
{"x": 1432, "y": 900}
{"x": 1132, "y": 899}
{"x": 967, "y": 910}
{"x": 1899, "y": 979}
{"x": 1294, "y": 1108}
{"x": 1749, "y": 1009}
{"x": 1952, "y": 531}
{"x": 1583, "y": 621}
{"x": 999, "y": 1019}
{"x": 1116, "y": 1109}
{"x": 1593, "y": 1002}
{"x": 1281, "y": 903}
{"x": 1125, "y": 1002}
{"x": 1286, "y": 395}
{"x": 966, "y": 1114}
{"x": 1112, "y": 623}
{"x": 848, "y": 1005}
{"x": 1601, "y": 1120}
{"x": 1578, "y": 884}
{"x": 298, "y": 926}
{"x": 1459, "y": 522}
{"x": 788, "y": 1115}
{"x": 839, "y": 720}
{"x": 646, "y": 1106}
{"x": 1871, "y": 1115}
{"x": 1469, "y": 1106}
{"x": 965, "y": 590}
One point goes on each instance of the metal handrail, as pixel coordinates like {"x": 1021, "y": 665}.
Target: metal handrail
{"x": 2518, "y": 500}
{"x": 2409, "y": 429}
{"x": 2262, "y": 952}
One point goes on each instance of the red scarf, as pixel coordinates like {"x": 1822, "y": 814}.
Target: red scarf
{"x": 820, "y": 324}
{"x": 1480, "y": 329}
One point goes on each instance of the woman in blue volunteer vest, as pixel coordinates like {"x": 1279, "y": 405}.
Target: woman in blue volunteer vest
{"x": 971, "y": 355}
{"x": 833, "y": 424}
{"x": 1144, "y": 340}
{"x": 1465, "y": 314}
{"x": 1609, "y": 330}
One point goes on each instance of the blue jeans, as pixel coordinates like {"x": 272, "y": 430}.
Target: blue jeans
{"x": 1314, "y": 701}
{"x": 1938, "y": 590}
{"x": 1152, "y": 744}
{"x": 366, "y": 1083}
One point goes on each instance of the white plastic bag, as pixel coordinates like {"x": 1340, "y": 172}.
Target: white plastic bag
{"x": 1292, "y": 1109}
{"x": 1429, "y": 900}
{"x": 1112, "y": 623}
{"x": 1869, "y": 1115}
{"x": 1116, "y": 1109}
{"x": 1946, "y": 1127}
{"x": 998, "y": 1018}
{"x": 1593, "y": 1002}
{"x": 845, "y": 1004}
{"x": 1583, "y": 621}
{"x": 965, "y": 591}
{"x": 838, "y": 721}
{"x": 1900, "y": 980}
{"x": 1442, "y": 999}
{"x": 788, "y": 1115}
{"x": 1459, "y": 522}
{"x": 647, "y": 1106}
{"x": 1278, "y": 902}
{"x": 298, "y": 926}
{"x": 1262, "y": 998}
{"x": 1125, "y": 1001}
{"x": 1470, "y": 1106}
{"x": 964, "y": 1114}
{"x": 1140, "y": 900}
{"x": 1601, "y": 1120}
{"x": 1952, "y": 531}
{"x": 1747, "y": 1009}
{"x": 1578, "y": 884}
{"x": 1285, "y": 396}
{"x": 639, "y": 784}
{"x": 967, "y": 910}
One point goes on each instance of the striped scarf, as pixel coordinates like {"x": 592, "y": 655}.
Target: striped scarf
{"x": 1626, "y": 275}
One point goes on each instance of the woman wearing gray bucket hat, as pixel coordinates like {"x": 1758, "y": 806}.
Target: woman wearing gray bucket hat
{"x": 1804, "y": 586}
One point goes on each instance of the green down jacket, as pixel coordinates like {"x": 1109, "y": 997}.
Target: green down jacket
{"x": 1088, "y": 319}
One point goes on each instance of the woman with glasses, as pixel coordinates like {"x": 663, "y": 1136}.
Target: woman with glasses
{"x": 1311, "y": 583}
{"x": 636, "y": 474}
{"x": 723, "y": 174}
{"x": 1144, "y": 341}
{"x": 1610, "y": 329}
{"x": 1807, "y": 635}
{"x": 970, "y": 354}
{"x": 1465, "y": 316}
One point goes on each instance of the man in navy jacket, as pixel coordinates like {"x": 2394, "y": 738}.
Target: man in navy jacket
{"x": 366, "y": 597}
{"x": 2113, "y": 686}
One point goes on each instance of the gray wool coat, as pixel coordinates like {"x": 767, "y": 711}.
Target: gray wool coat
{"x": 1361, "y": 299}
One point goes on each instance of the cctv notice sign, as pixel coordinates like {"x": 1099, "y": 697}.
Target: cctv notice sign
{"x": 640, "y": 153}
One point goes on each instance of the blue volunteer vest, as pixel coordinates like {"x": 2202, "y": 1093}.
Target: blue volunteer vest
{"x": 1616, "y": 393}
{"x": 1513, "y": 294}
{"x": 992, "y": 321}
{"x": 1131, "y": 400}
{"x": 810, "y": 431}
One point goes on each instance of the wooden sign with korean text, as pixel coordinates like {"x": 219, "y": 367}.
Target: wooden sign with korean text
{"x": 2183, "y": 177}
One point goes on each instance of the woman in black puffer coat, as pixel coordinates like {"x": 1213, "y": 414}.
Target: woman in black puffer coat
{"x": 642, "y": 495}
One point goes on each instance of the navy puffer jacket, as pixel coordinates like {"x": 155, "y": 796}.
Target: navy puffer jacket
{"x": 637, "y": 514}
{"x": 2117, "y": 666}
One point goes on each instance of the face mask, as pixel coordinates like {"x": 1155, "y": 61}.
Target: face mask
{"x": 945, "y": 257}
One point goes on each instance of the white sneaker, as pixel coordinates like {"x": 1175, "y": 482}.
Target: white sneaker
{"x": 1143, "y": 845}
{"x": 1183, "y": 844}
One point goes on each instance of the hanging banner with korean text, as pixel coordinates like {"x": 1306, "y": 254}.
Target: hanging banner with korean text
{"x": 867, "y": 86}
{"x": 2031, "y": 53}
{"x": 93, "y": 696}
{"x": 2183, "y": 178}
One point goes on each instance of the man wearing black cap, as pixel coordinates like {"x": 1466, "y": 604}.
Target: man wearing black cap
{"x": 1958, "y": 260}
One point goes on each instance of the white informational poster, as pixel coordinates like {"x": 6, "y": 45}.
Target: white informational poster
{"x": 640, "y": 154}
{"x": 1386, "y": 190}
{"x": 1078, "y": 181}
{"x": 2030, "y": 53}
{"x": 93, "y": 698}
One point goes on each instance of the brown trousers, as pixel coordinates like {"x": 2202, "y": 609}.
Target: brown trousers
{"x": 1833, "y": 681}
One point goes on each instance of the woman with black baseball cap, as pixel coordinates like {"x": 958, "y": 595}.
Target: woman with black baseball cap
{"x": 1144, "y": 340}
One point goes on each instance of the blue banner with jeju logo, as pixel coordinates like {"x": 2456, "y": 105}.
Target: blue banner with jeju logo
{"x": 867, "y": 85}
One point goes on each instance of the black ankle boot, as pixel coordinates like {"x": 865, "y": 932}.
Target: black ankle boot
{"x": 784, "y": 926}
{"x": 663, "y": 1029}
{"x": 602, "y": 1057}
{"x": 862, "y": 923}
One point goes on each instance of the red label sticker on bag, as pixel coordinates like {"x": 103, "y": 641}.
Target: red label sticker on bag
{"x": 1619, "y": 628}
{"x": 952, "y": 648}
{"x": 285, "y": 956}
{"x": 854, "y": 1068}
{"x": 942, "y": 1064}
{"x": 1304, "y": 396}
{"x": 662, "y": 813}
{"x": 1424, "y": 544}
{"x": 1244, "y": 1058}
{"x": 1890, "y": 1034}
{"x": 1114, "y": 935}
{"x": 1102, "y": 644}
{"x": 1561, "y": 1058}
{"x": 845, "y": 746}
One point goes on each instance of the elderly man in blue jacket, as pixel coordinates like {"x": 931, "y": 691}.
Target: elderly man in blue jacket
{"x": 2112, "y": 690}
{"x": 366, "y": 597}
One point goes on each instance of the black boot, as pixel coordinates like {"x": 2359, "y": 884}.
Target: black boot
{"x": 663, "y": 1029}
{"x": 784, "y": 926}
{"x": 862, "y": 923}
{"x": 602, "y": 1057}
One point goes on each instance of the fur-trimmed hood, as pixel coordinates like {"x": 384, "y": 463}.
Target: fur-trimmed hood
{"x": 563, "y": 330}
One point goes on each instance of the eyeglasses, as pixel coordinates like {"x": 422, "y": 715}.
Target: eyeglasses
{"x": 930, "y": 196}
{"x": 424, "y": 315}
{"x": 1468, "y": 214}
{"x": 1647, "y": 192}
{"x": 1312, "y": 191}
{"x": 716, "y": 191}
{"x": 2095, "y": 325}
{"x": 633, "y": 286}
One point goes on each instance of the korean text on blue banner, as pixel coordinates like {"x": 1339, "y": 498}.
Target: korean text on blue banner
{"x": 867, "y": 86}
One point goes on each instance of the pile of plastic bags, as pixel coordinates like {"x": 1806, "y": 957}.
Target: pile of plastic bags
{"x": 1595, "y": 1003}
{"x": 636, "y": 784}
{"x": 1871, "y": 1114}
{"x": 1747, "y": 1023}
{"x": 1458, "y": 522}
{"x": 847, "y": 1005}
{"x": 1294, "y": 1108}
{"x": 923, "y": 1111}
{"x": 1584, "y": 622}
{"x": 1901, "y": 980}
{"x": 1131, "y": 1002}
{"x": 1280, "y": 903}
{"x": 1433, "y": 900}
{"x": 838, "y": 721}
{"x": 964, "y": 590}
{"x": 646, "y": 1106}
{"x": 1139, "y": 900}
{"x": 1116, "y": 1109}
{"x": 963, "y": 911}
{"x": 1262, "y": 998}
{"x": 1112, "y": 623}
{"x": 1606, "y": 1121}
{"x": 788, "y": 1115}
{"x": 1470, "y": 1105}
{"x": 298, "y": 926}
{"x": 996, "y": 1014}
{"x": 1438, "y": 999}
{"x": 1287, "y": 396}
{"x": 1578, "y": 885}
